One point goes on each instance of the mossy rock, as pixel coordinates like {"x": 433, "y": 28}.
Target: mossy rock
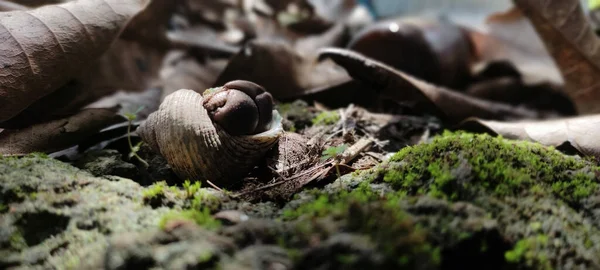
{"x": 463, "y": 166}
{"x": 529, "y": 204}
{"x": 59, "y": 217}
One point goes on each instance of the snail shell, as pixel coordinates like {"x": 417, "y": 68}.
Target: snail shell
{"x": 184, "y": 132}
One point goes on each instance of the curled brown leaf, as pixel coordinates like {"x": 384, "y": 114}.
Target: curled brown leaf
{"x": 571, "y": 41}
{"x": 450, "y": 105}
{"x": 44, "y": 48}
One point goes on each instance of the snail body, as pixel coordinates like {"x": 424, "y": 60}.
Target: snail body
{"x": 219, "y": 136}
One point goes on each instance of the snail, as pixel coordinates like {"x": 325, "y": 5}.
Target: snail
{"x": 436, "y": 51}
{"x": 218, "y": 136}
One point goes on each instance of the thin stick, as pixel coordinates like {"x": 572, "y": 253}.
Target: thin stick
{"x": 214, "y": 186}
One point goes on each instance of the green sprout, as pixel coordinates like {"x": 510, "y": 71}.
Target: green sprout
{"x": 134, "y": 149}
{"x": 190, "y": 188}
{"x": 335, "y": 153}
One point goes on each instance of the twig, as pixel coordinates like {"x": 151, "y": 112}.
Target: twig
{"x": 354, "y": 150}
{"x": 214, "y": 186}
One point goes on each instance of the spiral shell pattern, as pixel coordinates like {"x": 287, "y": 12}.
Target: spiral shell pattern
{"x": 196, "y": 148}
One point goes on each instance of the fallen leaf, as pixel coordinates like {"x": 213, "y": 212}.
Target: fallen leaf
{"x": 434, "y": 50}
{"x": 336, "y": 36}
{"x": 144, "y": 103}
{"x": 580, "y": 133}
{"x": 450, "y": 105}
{"x": 149, "y": 27}
{"x": 44, "y": 48}
{"x": 182, "y": 71}
{"x": 125, "y": 66}
{"x": 500, "y": 81}
{"x": 202, "y": 37}
{"x": 283, "y": 71}
{"x": 510, "y": 37}
{"x": 571, "y": 41}
{"x": 544, "y": 97}
{"x": 59, "y": 134}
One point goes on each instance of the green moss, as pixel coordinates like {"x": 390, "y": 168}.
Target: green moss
{"x": 530, "y": 251}
{"x": 203, "y": 198}
{"x": 201, "y": 217}
{"x": 326, "y": 118}
{"x": 206, "y": 256}
{"x": 190, "y": 189}
{"x": 155, "y": 190}
{"x": 17, "y": 241}
{"x": 3, "y": 208}
{"x": 461, "y": 166}
{"x": 73, "y": 262}
{"x": 364, "y": 212}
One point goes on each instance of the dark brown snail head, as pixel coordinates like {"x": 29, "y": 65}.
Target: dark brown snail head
{"x": 240, "y": 107}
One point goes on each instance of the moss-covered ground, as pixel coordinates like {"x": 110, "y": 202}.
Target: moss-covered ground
{"x": 461, "y": 166}
{"x": 458, "y": 201}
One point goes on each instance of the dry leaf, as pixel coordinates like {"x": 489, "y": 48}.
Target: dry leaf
{"x": 126, "y": 66}
{"x": 59, "y": 134}
{"x": 452, "y": 106}
{"x": 580, "y": 133}
{"x": 570, "y": 39}
{"x": 509, "y": 37}
{"x": 202, "y": 37}
{"x": 500, "y": 81}
{"x": 280, "y": 69}
{"x": 43, "y": 49}
{"x": 182, "y": 71}
{"x": 434, "y": 50}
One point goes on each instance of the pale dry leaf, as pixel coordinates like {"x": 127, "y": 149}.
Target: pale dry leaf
{"x": 59, "y": 134}
{"x": 42, "y": 49}
{"x": 571, "y": 41}
{"x": 579, "y": 132}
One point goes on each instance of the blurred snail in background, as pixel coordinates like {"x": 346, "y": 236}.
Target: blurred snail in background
{"x": 218, "y": 136}
{"x": 439, "y": 52}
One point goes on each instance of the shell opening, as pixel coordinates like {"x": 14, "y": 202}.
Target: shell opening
{"x": 275, "y": 127}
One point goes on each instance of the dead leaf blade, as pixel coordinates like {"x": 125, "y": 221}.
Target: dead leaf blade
{"x": 58, "y": 134}
{"x": 571, "y": 41}
{"x": 451, "y": 105}
{"x": 42, "y": 49}
{"x": 580, "y": 132}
